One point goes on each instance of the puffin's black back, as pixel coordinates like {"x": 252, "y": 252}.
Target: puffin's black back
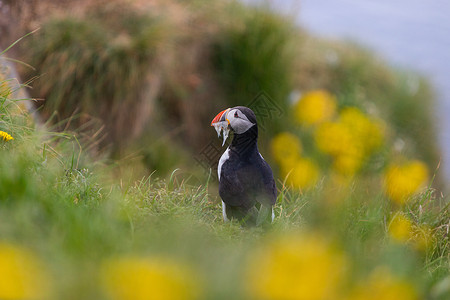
{"x": 246, "y": 181}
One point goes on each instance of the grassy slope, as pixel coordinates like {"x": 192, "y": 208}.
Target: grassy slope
{"x": 73, "y": 222}
{"x": 74, "y": 218}
{"x": 176, "y": 80}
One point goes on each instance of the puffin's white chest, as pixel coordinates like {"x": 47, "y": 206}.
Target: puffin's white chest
{"x": 222, "y": 160}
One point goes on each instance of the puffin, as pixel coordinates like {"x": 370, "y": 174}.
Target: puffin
{"x": 246, "y": 184}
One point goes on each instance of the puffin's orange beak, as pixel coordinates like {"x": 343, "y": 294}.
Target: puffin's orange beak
{"x": 222, "y": 116}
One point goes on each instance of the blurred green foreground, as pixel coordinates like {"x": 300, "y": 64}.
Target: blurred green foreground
{"x": 107, "y": 200}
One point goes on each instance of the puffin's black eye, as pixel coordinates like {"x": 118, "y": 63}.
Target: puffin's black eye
{"x": 236, "y": 115}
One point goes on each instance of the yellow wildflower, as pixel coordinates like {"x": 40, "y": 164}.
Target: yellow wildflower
{"x": 286, "y": 148}
{"x": 347, "y": 164}
{"x": 21, "y": 274}
{"x": 383, "y": 285}
{"x": 338, "y": 140}
{"x": 404, "y": 180}
{"x": 315, "y": 107}
{"x": 369, "y": 132}
{"x": 302, "y": 174}
{"x": 422, "y": 237}
{"x": 333, "y": 138}
{"x": 349, "y": 140}
{"x": 5, "y": 136}
{"x": 300, "y": 266}
{"x": 136, "y": 278}
{"x": 400, "y": 228}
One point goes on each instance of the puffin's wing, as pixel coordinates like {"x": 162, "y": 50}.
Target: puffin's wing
{"x": 271, "y": 191}
{"x": 268, "y": 187}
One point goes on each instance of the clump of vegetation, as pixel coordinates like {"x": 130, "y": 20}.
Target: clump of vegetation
{"x": 93, "y": 67}
{"x": 66, "y": 233}
{"x": 108, "y": 68}
{"x": 356, "y": 217}
{"x": 254, "y": 54}
{"x": 403, "y": 100}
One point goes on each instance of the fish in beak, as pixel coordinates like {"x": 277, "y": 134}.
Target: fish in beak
{"x": 221, "y": 124}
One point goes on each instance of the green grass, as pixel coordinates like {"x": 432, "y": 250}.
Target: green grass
{"x": 128, "y": 76}
{"x": 73, "y": 222}
{"x": 255, "y": 53}
{"x": 73, "y": 217}
{"x": 74, "y": 214}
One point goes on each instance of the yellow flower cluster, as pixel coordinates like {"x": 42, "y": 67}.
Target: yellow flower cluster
{"x": 369, "y": 132}
{"x": 402, "y": 230}
{"x": 350, "y": 139}
{"x": 296, "y": 266}
{"x": 301, "y": 172}
{"x": 315, "y": 107}
{"x": 383, "y": 285}
{"x": 5, "y": 136}
{"x": 423, "y": 237}
{"x": 304, "y": 173}
{"x": 137, "y": 278}
{"x": 404, "y": 180}
{"x": 21, "y": 274}
{"x": 286, "y": 149}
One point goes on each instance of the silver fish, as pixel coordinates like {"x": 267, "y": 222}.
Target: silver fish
{"x": 222, "y": 127}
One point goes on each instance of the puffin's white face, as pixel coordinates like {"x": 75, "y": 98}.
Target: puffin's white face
{"x": 231, "y": 119}
{"x": 238, "y": 121}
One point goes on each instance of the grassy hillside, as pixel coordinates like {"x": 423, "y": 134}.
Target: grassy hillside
{"x": 116, "y": 198}
{"x": 69, "y": 231}
{"x": 144, "y": 88}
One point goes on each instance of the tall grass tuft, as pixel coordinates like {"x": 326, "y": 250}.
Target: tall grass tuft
{"x": 98, "y": 67}
{"x": 255, "y": 54}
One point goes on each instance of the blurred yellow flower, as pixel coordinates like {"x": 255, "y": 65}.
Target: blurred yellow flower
{"x": 369, "y": 132}
{"x": 337, "y": 140}
{"x": 286, "y": 148}
{"x": 333, "y": 138}
{"x": 315, "y": 107}
{"x": 347, "y": 164}
{"x": 300, "y": 266}
{"x": 349, "y": 140}
{"x": 5, "y": 136}
{"x": 400, "y": 228}
{"x": 383, "y": 285}
{"x": 422, "y": 237}
{"x": 137, "y": 278}
{"x": 404, "y": 180}
{"x": 22, "y": 275}
{"x": 303, "y": 173}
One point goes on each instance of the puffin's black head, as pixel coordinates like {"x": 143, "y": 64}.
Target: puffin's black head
{"x": 239, "y": 118}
